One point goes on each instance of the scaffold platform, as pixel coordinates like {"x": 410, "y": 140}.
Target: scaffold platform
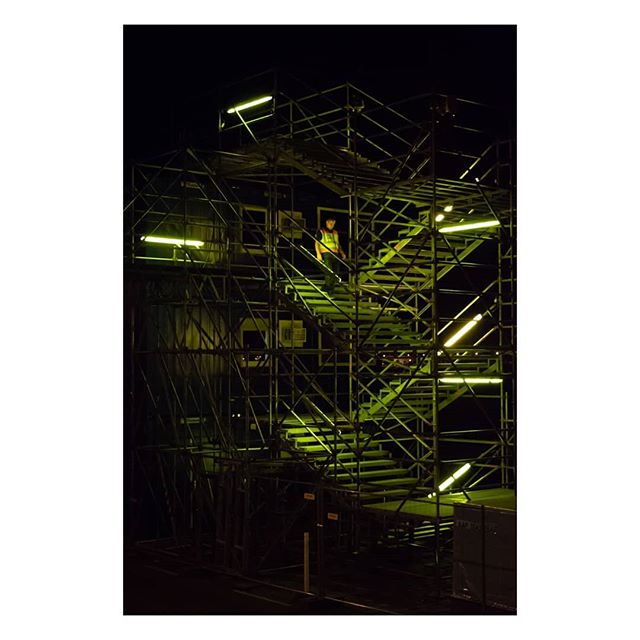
{"x": 427, "y": 509}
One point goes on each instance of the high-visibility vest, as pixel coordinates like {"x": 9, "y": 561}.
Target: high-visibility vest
{"x": 329, "y": 240}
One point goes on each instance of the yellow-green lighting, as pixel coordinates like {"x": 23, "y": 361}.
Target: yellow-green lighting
{"x": 470, "y": 225}
{"x": 448, "y": 208}
{"x": 440, "y": 217}
{"x": 173, "y": 241}
{"x": 446, "y": 483}
{"x": 464, "y": 330}
{"x": 248, "y": 105}
{"x": 471, "y": 380}
{"x": 449, "y": 481}
{"x": 462, "y": 470}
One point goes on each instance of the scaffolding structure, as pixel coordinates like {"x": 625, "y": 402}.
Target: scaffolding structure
{"x": 260, "y": 407}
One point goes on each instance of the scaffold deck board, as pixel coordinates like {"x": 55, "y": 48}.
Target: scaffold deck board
{"x": 425, "y": 509}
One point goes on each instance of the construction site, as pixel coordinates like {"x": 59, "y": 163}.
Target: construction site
{"x": 313, "y": 441}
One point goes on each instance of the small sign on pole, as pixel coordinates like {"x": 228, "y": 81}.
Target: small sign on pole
{"x": 309, "y": 496}
{"x": 332, "y": 516}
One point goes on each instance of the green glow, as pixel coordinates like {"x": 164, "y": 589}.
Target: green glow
{"x": 471, "y": 225}
{"x": 471, "y": 380}
{"x": 448, "y": 208}
{"x": 440, "y": 217}
{"x": 174, "y": 241}
{"x": 446, "y": 483}
{"x": 462, "y": 470}
{"x": 248, "y": 105}
{"x": 467, "y": 327}
{"x": 449, "y": 481}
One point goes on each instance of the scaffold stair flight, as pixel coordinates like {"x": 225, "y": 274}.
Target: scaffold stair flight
{"x": 353, "y": 464}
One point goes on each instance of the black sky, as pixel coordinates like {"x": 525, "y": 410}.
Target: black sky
{"x": 172, "y": 73}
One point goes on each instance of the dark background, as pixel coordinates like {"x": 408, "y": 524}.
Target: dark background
{"x": 172, "y": 73}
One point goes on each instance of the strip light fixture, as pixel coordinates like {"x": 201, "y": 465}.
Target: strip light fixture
{"x": 248, "y": 105}
{"x": 452, "y": 478}
{"x": 173, "y": 241}
{"x": 471, "y": 380}
{"x": 470, "y": 225}
{"x": 464, "y": 330}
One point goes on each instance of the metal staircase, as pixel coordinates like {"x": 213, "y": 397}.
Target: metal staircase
{"x": 359, "y": 461}
{"x": 384, "y": 311}
{"x": 351, "y": 460}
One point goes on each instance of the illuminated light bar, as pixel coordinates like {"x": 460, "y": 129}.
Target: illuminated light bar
{"x": 448, "y": 208}
{"x": 446, "y": 483}
{"x": 471, "y": 380}
{"x": 450, "y": 480}
{"x": 440, "y": 217}
{"x": 248, "y": 105}
{"x": 470, "y": 225}
{"x": 462, "y": 470}
{"x": 173, "y": 241}
{"x": 467, "y": 327}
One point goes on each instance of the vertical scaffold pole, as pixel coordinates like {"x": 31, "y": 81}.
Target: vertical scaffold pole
{"x": 434, "y": 341}
{"x": 306, "y": 586}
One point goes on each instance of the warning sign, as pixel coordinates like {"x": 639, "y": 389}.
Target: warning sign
{"x": 332, "y": 516}
{"x": 309, "y": 496}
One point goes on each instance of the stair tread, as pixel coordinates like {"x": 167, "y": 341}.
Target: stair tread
{"x": 293, "y": 431}
{"x": 382, "y": 462}
{"x": 346, "y": 437}
{"x": 384, "y": 483}
{"x": 377, "y": 473}
{"x": 368, "y": 454}
{"x": 319, "y": 447}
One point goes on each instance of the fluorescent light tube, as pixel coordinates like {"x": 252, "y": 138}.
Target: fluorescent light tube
{"x": 470, "y": 225}
{"x": 467, "y": 327}
{"x": 174, "y": 241}
{"x": 471, "y": 380}
{"x": 248, "y": 105}
{"x": 462, "y": 470}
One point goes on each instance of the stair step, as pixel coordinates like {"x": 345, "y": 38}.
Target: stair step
{"x": 378, "y": 463}
{"x": 301, "y": 441}
{"x": 318, "y": 448}
{"x": 293, "y": 431}
{"x": 375, "y": 486}
{"x": 311, "y": 422}
{"x": 385, "y": 494}
{"x": 377, "y": 454}
{"x": 376, "y": 473}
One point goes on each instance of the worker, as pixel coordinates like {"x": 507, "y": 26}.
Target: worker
{"x": 327, "y": 249}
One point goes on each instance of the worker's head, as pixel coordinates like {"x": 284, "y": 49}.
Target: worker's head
{"x": 330, "y": 223}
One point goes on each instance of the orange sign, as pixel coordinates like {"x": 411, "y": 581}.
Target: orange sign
{"x": 332, "y": 516}
{"x": 309, "y": 496}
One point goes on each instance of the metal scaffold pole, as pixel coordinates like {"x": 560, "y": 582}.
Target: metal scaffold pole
{"x": 434, "y": 342}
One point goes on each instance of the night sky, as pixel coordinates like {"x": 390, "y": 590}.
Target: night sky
{"x": 172, "y": 73}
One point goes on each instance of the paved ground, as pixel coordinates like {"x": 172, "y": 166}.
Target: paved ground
{"x": 385, "y": 582}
